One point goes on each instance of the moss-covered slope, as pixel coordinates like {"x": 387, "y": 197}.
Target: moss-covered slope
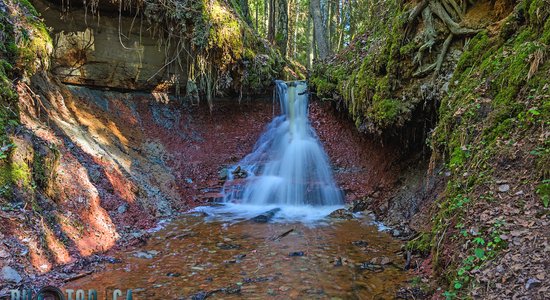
{"x": 484, "y": 108}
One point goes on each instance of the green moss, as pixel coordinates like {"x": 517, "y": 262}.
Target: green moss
{"x": 28, "y": 7}
{"x": 476, "y": 47}
{"x": 421, "y": 244}
{"x": 386, "y": 111}
{"x": 13, "y": 175}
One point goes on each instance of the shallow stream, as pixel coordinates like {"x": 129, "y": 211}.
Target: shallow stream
{"x": 201, "y": 256}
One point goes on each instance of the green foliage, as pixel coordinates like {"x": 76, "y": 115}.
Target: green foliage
{"x": 366, "y": 81}
{"x": 543, "y": 191}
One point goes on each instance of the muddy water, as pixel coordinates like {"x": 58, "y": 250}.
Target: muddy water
{"x": 193, "y": 258}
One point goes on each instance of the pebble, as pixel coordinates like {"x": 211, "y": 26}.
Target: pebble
{"x": 531, "y": 283}
{"x": 4, "y": 253}
{"x": 122, "y": 209}
{"x": 10, "y": 275}
{"x": 503, "y": 188}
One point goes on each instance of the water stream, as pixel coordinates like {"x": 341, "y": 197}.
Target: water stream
{"x": 300, "y": 253}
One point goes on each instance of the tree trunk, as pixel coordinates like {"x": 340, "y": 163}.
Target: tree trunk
{"x": 246, "y": 11}
{"x": 271, "y": 22}
{"x": 257, "y": 6}
{"x": 297, "y": 12}
{"x": 311, "y": 43}
{"x": 319, "y": 29}
{"x": 282, "y": 26}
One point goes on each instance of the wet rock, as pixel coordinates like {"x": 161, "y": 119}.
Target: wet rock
{"x": 396, "y": 233}
{"x": 122, "y": 209}
{"x": 360, "y": 243}
{"x": 296, "y": 253}
{"x": 9, "y": 274}
{"x": 383, "y": 260}
{"x": 259, "y": 279}
{"x": 200, "y": 295}
{"x": 360, "y": 205}
{"x": 239, "y": 172}
{"x": 369, "y": 266}
{"x": 227, "y": 246}
{"x": 503, "y": 188}
{"x": 146, "y": 254}
{"x": 266, "y": 216}
{"x": 341, "y": 214}
{"x": 233, "y": 289}
{"x": 222, "y": 175}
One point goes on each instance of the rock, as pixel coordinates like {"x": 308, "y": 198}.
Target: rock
{"x": 266, "y": 216}
{"x": 503, "y": 188}
{"x": 360, "y": 205}
{"x": 370, "y": 267}
{"x": 341, "y": 214}
{"x": 146, "y": 254}
{"x": 532, "y": 283}
{"x": 396, "y": 233}
{"x": 122, "y": 209}
{"x": 4, "y": 253}
{"x": 360, "y": 243}
{"x": 226, "y": 246}
{"x": 10, "y": 275}
{"x": 383, "y": 260}
{"x": 233, "y": 289}
{"x": 223, "y": 174}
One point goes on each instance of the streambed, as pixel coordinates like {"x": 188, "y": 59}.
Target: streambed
{"x": 200, "y": 256}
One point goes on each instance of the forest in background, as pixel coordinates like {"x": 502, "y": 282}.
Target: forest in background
{"x": 303, "y": 30}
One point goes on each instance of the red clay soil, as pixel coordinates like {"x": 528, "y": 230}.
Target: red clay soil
{"x": 363, "y": 166}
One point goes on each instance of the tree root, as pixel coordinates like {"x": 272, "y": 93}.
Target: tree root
{"x": 439, "y": 62}
{"x": 455, "y": 29}
{"x": 430, "y": 35}
{"x": 443, "y": 53}
{"x": 415, "y": 12}
{"x": 448, "y": 11}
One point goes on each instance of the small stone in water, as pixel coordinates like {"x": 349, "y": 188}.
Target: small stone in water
{"x": 360, "y": 243}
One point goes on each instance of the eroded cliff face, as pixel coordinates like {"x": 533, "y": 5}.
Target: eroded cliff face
{"x": 106, "y": 51}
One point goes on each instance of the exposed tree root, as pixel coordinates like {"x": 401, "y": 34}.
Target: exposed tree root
{"x": 447, "y": 11}
{"x": 443, "y": 53}
{"x": 456, "y": 29}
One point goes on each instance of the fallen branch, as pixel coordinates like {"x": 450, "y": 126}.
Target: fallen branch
{"x": 282, "y": 235}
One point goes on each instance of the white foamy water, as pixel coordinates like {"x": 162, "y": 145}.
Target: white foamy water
{"x": 288, "y": 168}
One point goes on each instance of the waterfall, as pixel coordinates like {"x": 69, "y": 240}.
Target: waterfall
{"x": 288, "y": 165}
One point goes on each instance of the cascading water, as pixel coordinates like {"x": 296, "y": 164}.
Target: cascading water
{"x": 288, "y": 165}
{"x": 287, "y": 172}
